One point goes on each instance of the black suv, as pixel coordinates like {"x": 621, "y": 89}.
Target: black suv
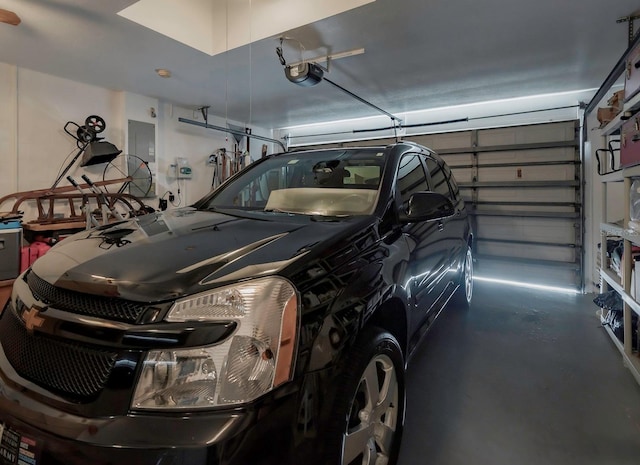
{"x": 269, "y": 323}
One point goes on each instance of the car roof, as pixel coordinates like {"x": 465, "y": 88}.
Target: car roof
{"x": 399, "y": 147}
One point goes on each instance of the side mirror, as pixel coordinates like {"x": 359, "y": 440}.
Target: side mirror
{"x": 427, "y": 206}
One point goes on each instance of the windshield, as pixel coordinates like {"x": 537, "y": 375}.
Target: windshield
{"x": 340, "y": 182}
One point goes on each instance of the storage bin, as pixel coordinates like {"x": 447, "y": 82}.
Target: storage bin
{"x": 10, "y": 224}
{"x": 31, "y": 252}
{"x": 10, "y": 250}
{"x": 630, "y": 142}
{"x": 632, "y": 75}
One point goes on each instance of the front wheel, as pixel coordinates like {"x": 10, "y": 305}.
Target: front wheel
{"x": 369, "y": 410}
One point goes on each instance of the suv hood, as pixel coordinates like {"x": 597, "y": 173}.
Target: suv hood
{"x": 162, "y": 256}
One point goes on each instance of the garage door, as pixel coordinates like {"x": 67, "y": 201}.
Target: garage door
{"x": 522, "y": 185}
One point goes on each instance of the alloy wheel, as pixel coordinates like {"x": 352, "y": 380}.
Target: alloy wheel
{"x": 468, "y": 275}
{"x": 373, "y": 416}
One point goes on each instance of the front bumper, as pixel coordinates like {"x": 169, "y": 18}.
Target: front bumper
{"x": 36, "y": 434}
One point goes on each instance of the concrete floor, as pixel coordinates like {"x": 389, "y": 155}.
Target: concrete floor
{"x": 522, "y": 378}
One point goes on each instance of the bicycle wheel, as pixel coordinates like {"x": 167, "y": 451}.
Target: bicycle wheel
{"x": 132, "y": 166}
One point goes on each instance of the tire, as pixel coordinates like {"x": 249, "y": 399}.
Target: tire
{"x": 368, "y": 414}
{"x": 464, "y": 293}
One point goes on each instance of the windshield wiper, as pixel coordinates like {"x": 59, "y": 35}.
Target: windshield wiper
{"x": 277, "y": 210}
{"x": 327, "y": 218}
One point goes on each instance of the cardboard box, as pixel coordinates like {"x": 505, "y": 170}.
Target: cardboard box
{"x": 606, "y": 114}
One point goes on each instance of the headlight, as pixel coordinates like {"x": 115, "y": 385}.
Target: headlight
{"x": 257, "y": 358}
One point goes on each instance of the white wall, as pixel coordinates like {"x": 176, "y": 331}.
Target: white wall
{"x": 39, "y": 106}
{"x": 8, "y": 129}
{"x": 34, "y": 108}
{"x": 196, "y": 143}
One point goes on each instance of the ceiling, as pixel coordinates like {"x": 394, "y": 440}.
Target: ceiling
{"x": 419, "y": 54}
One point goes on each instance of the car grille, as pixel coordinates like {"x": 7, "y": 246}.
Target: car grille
{"x": 73, "y": 371}
{"x": 110, "y": 308}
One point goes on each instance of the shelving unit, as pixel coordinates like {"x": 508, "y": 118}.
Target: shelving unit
{"x": 609, "y": 280}
{"x": 600, "y": 138}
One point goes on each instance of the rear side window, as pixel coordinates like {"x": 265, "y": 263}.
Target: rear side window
{"x": 442, "y": 180}
{"x": 411, "y": 178}
{"x": 439, "y": 181}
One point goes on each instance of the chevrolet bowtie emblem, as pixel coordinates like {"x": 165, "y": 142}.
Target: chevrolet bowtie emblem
{"x": 32, "y": 318}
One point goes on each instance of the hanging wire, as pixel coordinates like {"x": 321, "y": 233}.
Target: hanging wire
{"x": 250, "y": 62}
{"x": 226, "y": 65}
{"x": 280, "y": 53}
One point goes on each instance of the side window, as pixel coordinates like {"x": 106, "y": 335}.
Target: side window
{"x": 439, "y": 181}
{"x": 411, "y": 177}
{"x": 442, "y": 181}
{"x": 453, "y": 185}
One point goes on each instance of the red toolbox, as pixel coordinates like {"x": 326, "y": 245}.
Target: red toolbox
{"x": 630, "y": 142}
{"x": 632, "y": 74}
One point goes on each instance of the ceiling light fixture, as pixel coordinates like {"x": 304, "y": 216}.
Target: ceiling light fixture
{"x": 163, "y": 73}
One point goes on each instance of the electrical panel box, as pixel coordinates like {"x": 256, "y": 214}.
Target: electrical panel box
{"x": 183, "y": 169}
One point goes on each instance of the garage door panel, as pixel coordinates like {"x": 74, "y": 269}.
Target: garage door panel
{"x": 533, "y": 155}
{"x": 526, "y": 229}
{"x": 460, "y": 163}
{"x": 524, "y": 210}
{"x": 539, "y": 228}
{"x": 451, "y": 140}
{"x": 527, "y": 173}
{"x": 463, "y": 174}
{"x": 522, "y": 194}
{"x": 542, "y": 133}
{"x": 530, "y": 252}
{"x": 545, "y": 275}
